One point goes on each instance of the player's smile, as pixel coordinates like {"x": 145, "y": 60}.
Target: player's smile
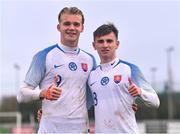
{"x": 69, "y": 33}
{"x": 105, "y": 51}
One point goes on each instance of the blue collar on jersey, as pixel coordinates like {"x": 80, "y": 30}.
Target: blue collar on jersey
{"x": 111, "y": 64}
{"x": 69, "y": 50}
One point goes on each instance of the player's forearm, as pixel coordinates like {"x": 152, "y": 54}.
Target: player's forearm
{"x": 150, "y": 99}
{"x": 27, "y": 94}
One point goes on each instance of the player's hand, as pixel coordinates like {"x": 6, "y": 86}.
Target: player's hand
{"x": 133, "y": 89}
{"x": 135, "y": 107}
{"x": 39, "y": 115}
{"x": 53, "y": 92}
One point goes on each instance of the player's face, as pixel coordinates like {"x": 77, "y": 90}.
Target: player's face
{"x": 70, "y": 28}
{"x": 106, "y": 47}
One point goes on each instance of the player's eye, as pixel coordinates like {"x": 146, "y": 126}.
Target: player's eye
{"x": 109, "y": 40}
{"x": 100, "y": 41}
{"x": 67, "y": 23}
{"x": 76, "y": 24}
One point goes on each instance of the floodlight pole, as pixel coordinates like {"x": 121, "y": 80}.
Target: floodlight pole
{"x": 169, "y": 83}
{"x": 17, "y": 80}
{"x": 17, "y": 76}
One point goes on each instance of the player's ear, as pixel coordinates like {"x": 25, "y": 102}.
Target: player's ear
{"x": 82, "y": 28}
{"x": 58, "y": 27}
{"x": 94, "y": 46}
{"x": 118, "y": 44}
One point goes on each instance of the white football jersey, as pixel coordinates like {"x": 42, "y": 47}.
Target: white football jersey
{"x": 69, "y": 112}
{"x": 113, "y": 103}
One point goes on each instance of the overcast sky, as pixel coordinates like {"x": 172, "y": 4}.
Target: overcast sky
{"x": 146, "y": 30}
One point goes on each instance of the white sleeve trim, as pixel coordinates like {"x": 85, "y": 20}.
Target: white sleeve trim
{"x": 150, "y": 98}
{"x": 27, "y": 93}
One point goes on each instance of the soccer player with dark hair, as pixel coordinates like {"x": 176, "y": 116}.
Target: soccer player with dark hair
{"x": 116, "y": 85}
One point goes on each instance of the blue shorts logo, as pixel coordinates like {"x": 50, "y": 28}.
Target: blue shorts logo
{"x": 104, "y": 81}
{"x": 72, "y": 66}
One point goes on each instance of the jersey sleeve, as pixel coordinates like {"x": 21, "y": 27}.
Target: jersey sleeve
{"x": 148, "y": 95}
{"x": 27, "y": 94}
{"x": 33, "y": 78}
{"x": 36, "y": 70}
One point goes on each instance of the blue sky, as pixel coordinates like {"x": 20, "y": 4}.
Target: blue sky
{"x": 146, "y": 29}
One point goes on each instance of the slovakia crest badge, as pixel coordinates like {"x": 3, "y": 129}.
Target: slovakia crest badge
{"x": 84, "y": 66}
{"x": 117, "y": 78}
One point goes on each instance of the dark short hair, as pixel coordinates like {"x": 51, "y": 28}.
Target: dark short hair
{"x": 104, "y": 30}
{"x": 70, "y": 10}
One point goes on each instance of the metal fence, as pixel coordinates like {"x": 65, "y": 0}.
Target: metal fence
{"x": 159, "y": 126}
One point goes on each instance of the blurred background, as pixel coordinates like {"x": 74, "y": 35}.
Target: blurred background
{"x": 149, "y": 34}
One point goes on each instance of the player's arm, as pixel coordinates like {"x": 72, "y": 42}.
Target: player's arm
{"x": 28, "y": 93}
{"x": 33, "y": 77}
{"x": 149, "y": 98}
{"x": 140, "y": 88}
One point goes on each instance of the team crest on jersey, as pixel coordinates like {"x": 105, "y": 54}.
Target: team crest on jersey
{"x": 72, "y": 66}
{"x": 117, "y": 78}
{"x": 104, "y": 81}
{"x": 84, "y": 66}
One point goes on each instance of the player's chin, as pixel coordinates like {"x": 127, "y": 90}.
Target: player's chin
{"x": 105, "y": 55}
{"x": 72, "y": 38}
